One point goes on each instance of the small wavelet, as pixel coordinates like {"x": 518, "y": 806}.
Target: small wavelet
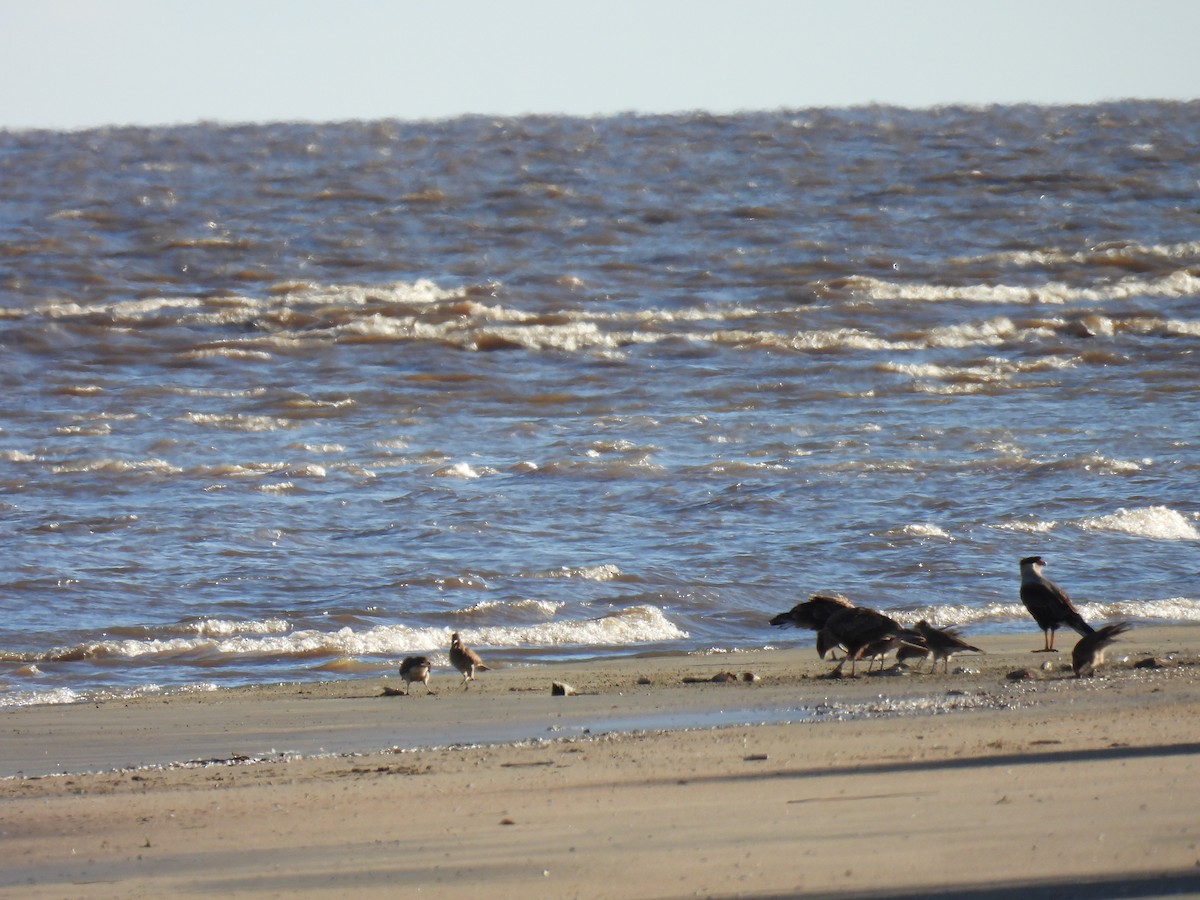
{"x": 1181, "y": 283}
{"x": 65, "y": 695}
{"x": 52, "y": 697}
{"x": 114, "y": 466}
{"x": 1013, "y": 614}
{"x": 925, "y": 530}
{"x": 633, "y": 625}
{"x": 602, "y": 572}
{"x": 239, "y": 421}
{"x": 1172, "y": 609}
{"x": 209, "y": 627}
{"x": 347, "y": 665}
{"x": 463, "y": 470}
{"x": 282, "y": 487}
{"x": 957, "y": 614}
{"x": 546, "y": 608}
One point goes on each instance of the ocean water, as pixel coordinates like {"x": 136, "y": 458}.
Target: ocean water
{"x": 287, "y": 402}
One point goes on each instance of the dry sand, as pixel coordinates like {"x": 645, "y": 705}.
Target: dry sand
{"x": 969, "y": 784}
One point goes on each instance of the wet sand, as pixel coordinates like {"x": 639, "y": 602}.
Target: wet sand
{"x": 651, "y": 781}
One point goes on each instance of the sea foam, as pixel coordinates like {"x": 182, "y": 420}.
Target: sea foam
{"x": 1157, "y": 522}
{"x": 217, "y": 640}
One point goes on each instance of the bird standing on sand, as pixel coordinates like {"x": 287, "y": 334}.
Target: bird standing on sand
{"x": 812, "y": 613}
{"x": 1049, "y": 604}
{"x": 877, "y": 651}
{"x": 415, "y": 668}
{"x": 464, "y": 659}
{"x": 863, "y": 632}
{"x": 941, "y": 644}
{"x": 1089, "y": 652}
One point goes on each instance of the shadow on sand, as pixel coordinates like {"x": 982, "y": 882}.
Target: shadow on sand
{"x": 1142, "y": 887}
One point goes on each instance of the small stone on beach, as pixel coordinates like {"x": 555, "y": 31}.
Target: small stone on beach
{"x": 719, "y": 678}
{"x": 1151, "y": 662}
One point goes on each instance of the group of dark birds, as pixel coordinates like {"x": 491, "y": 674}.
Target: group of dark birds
{"x": 864, "y": 633}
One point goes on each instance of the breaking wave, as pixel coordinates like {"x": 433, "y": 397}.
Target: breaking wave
{"x": 423, "y": 312}
{"x": 1158, "y": 522}
{"x": 217, "y": 642}
{"x": 1182, "y": 283}
{"x": 1154, "y": 522}
{"x": 1171, "y": 609}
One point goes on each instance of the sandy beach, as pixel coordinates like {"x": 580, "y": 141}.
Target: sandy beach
{"x": 652, "y": 780}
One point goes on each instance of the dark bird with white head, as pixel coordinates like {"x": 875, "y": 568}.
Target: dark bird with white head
{"x": 1049, "y": 604}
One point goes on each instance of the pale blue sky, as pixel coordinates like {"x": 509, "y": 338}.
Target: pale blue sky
{"x": 80, "y": 63}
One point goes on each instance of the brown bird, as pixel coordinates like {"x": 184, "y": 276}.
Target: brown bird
{"x": 1089, "y": 652}
{"x": 415, "y": 668}
{"x": 812, "y": 613}
{"x": 1049, "y": 604}
{"x": 877, "y": 651}
{"x": 864, "y": 633}
{"x": 940, "y": 644}
{"x": 465, "y": 659}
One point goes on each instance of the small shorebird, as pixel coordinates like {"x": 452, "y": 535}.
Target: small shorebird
{"x": 940, "y": 644}
{"x": 1049, "y": 604}
{"x": 877, "y": 651}
{"x": 864, "y": 633}
{"x": 415, "y": 668}
{"x": 1089, "y": 652}
{"x": 464, "y": 659}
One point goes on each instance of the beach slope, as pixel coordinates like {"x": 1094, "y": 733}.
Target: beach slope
{"x": 1001, "y": 779}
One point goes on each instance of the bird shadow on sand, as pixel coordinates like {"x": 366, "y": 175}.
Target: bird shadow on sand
{"x": 389, "y": 691}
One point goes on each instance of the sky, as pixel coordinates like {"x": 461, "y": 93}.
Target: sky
{"x": 70, "y": 64}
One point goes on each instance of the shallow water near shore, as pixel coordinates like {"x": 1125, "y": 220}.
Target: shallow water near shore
{"x": 614, "y": 699}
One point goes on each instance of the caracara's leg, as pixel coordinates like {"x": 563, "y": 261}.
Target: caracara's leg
{"x": 1049, "y": 647}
